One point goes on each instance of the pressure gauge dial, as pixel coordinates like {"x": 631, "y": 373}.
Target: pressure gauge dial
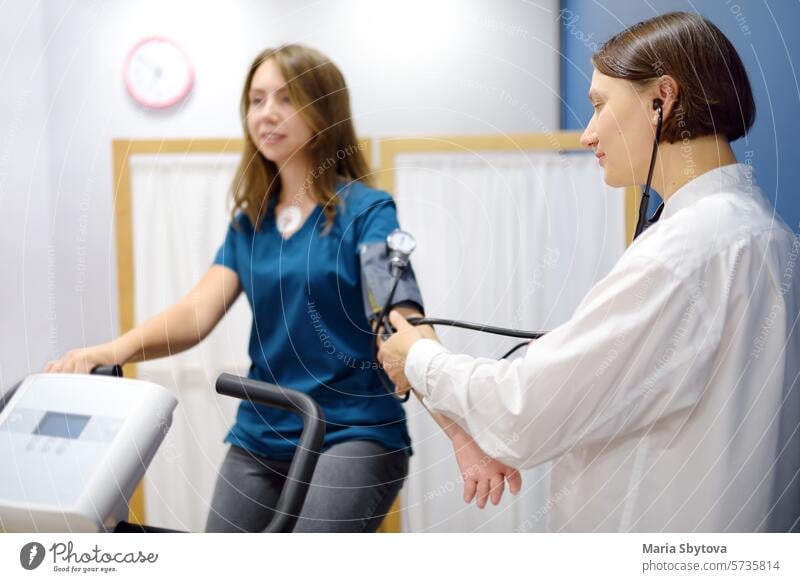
{"x": 399, "y": 241}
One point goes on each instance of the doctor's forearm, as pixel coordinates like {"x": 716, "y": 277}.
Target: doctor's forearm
{"x": 448, "y": 426}
{"x": 485, "y": 396}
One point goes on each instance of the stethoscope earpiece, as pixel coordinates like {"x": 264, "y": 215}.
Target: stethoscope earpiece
{"x": 658, "y": 106}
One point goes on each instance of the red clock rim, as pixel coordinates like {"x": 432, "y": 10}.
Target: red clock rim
{"x": 138, "y": 96}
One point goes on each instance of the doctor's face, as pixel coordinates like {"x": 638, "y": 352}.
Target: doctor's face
{"x": 621, "y": 131}
{"x": 274, "y": 125}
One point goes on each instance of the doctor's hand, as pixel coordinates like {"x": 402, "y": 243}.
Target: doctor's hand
{"x": 483, "y": 476}
{"x": 82, "y": 361}
{"x": 394, "y": 351}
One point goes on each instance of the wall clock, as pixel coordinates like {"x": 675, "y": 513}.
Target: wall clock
{"x": 158, "y": 74}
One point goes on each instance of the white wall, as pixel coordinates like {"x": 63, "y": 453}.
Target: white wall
{"x": 414, "y": 68}
{"x": 27, "y": 281}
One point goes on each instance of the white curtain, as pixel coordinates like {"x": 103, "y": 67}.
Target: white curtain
{"x": 512, "y": 240}
{"x": 179, "y": 220}
{"x": 508, "y": 239}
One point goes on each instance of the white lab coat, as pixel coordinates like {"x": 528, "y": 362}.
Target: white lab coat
{"x": 670, "y": 400}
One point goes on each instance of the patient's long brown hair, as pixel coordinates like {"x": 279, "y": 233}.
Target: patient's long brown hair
{"x": 318, "y": 91}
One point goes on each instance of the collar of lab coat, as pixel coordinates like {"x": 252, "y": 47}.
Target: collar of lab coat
{"x": 730, "y": 178}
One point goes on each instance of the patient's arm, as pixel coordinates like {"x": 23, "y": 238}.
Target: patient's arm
{"x": 483, "y": 476}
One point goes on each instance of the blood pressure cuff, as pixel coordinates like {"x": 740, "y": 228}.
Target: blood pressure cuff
{"x": 376, "y": 281}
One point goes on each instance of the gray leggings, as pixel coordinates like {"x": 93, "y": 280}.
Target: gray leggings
{"x": 353, "y": 487}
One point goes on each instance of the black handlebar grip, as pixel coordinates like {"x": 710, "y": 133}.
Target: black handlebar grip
{"x": 112, "y": 370}
{"x": 305, "y": 458}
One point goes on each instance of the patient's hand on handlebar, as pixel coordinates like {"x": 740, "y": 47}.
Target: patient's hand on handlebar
{"x": 82, "y": 361}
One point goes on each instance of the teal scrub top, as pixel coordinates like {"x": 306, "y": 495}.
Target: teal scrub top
{"x": 310, "y": 331}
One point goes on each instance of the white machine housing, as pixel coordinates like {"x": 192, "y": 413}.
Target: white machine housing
{"x": 73, "y": 448}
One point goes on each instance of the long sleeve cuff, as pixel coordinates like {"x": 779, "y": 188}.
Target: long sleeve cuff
{"x": 418, "y": 362}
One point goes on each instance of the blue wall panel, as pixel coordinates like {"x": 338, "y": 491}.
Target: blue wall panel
{"x": 766, "y": 36}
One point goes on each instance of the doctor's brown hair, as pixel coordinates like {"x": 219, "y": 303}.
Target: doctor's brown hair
{"x": 318, "y": 91}
{"x": 714, "y": 94}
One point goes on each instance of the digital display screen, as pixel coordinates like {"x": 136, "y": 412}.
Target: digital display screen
{"x": 62, "y": 425}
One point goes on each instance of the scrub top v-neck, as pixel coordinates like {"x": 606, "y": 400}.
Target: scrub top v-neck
{"x": 312, "y": 216}
{"x": 309, "y": 330}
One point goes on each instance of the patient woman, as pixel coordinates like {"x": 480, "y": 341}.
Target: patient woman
{"x": 302, "y": 207}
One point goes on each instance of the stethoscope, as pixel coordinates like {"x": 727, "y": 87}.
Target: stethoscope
{"x": 643, "y": 223}
{"x": 401, "y": 244}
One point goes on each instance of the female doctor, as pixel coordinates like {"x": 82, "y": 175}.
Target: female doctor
{"x": 670, "y": 400}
